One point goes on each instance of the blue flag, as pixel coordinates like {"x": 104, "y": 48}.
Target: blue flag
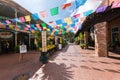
{"x": 87, "y": 12}
{"x": 33, "y": 26}
{"x": 64, "y": 24}
{"x": 80, "y": 3}
{"x": 59, "y": 21}
{"x": 35, "y": 16}
{"x": 72, "y": 25}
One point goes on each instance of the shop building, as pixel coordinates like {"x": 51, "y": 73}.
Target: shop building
{"x": 105, "y": 26}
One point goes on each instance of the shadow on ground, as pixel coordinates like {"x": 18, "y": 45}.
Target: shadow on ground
{"x": 65, "y": 48}
{"x": 53, "y": 71}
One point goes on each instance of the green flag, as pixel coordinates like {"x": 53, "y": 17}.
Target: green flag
{"x": 54, "y": 11}
{"x": 43, "y": 25}
{"x": 63, "y": 32}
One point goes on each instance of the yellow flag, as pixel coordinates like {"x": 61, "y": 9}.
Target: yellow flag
{"x": 11, "y": 26}
{"x": 68, "y": 20}
{"x": 35, "y": 41}
{"x": 27, "y": 18}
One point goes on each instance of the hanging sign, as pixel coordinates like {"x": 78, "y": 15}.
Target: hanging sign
{"x": 6, "y": 35}
{"x": 44, "y": 42}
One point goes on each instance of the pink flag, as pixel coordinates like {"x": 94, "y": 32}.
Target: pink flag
{"x": 38, "y": 26}
{"x": 7, "y": 21}
{"x": 22, "y": 19}
{"x": 116, "y": 4}
{"x": 51, "y": 22}
{"x": 28, "y": 26}
{"x": 43, "y": 14}
{"x": 76, "y": 15}
{"x": 26, "y": 29}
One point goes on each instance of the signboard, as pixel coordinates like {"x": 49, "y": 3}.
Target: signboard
{"x": 60, "y": 46}
{"x": 6, "y": 34}
{"x": 23, "y": 49}
{"x": 56, "y": 40}
{"x": 44, "y": 42}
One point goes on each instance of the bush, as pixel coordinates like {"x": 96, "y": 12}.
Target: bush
{"x": 16, "y": 48}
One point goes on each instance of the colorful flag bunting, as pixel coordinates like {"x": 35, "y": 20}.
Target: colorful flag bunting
{"x": 87, "y": 12}
{"x": 43, "y": 14}
{"x": 76, "y": 15}
{"x": 80, "y": 3}
{"x": 33, "y": 26}
{"x": 28, "y": 26}
{"x": 11, "y": 26}
{"x": 17, "y": 20}
{"x": 26, "y": 29}
{"x": 63, "y": 32}
{"x": 68, "y": 20}
{"x": 7, "y": 21}
{"x": 101, "y": 9}
{"x": 44, "y": 28}
{"x": 116, "y": 4}
{"x": 19, "y": 26}
{"x": 38, "y": 26}
{"x": 51, "y": 22}
{"x": 43, "y": 24}
{"x": 62, "y": 27}
{"x": 50, "y": 27}
{"x": 59, "y": 21}
{"x": 12, "y": 20}
{"x": 64, "y": 24}
{"x": 32, "y": 30}
{"x": 54, "y": 11}
{"x": 27, "y": 18}
{"x": 22, "y": 19}
{"x": 72, "y": 25}
{"x": 64, "y": 6}
{"x": 35, "y": 16}
{"x": 2, "y": 25}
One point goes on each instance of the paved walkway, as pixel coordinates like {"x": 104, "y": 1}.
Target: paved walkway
{"x": 73, "y": 63}
{"x": 10, "y": 67}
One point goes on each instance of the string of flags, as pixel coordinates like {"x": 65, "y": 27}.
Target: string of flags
{"x": 67, "y": 24}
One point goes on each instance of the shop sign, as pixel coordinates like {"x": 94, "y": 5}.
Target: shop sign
{"x": 6, "y": 34}
{"x": 44, "y": 42}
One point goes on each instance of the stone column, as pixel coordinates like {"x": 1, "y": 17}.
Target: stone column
{"x": 101, "y": 46}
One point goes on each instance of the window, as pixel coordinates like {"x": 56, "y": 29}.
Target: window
{"x": 114, "y": 34}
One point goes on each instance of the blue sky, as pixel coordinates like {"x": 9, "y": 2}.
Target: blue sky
{"x": 35, "y": 6}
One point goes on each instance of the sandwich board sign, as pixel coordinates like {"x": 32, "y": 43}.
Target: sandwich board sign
{"x": 23, "y": 49}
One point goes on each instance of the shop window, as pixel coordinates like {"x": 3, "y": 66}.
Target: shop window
{"x": 114, "y": 35}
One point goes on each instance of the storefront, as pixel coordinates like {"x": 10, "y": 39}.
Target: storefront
{"x": 6, "y": 41}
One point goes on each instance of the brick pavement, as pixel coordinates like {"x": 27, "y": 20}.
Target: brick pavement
{"x": 74, "y": 63}
{"x": 10, "y": 66}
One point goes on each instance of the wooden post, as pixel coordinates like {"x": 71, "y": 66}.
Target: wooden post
{"x": 15, "y": 28}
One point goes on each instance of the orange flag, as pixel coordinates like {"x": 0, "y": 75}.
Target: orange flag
{"x": 64, "y": 6}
